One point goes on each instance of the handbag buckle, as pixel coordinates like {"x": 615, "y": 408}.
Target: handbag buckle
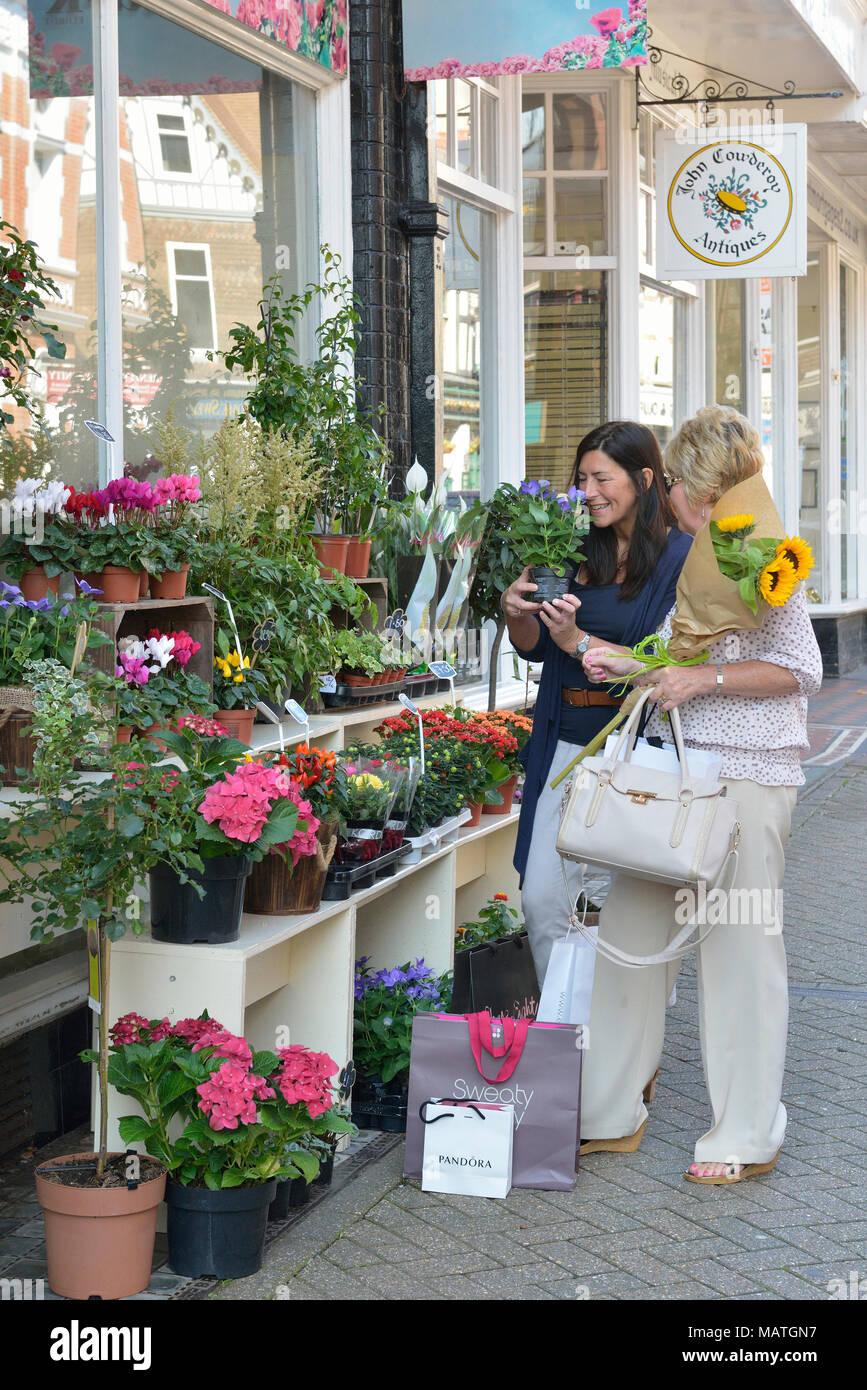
{"x": 640, "y": 798}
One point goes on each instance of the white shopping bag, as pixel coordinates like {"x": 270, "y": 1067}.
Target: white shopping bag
{"x": 468, "y": 1148}
{"x": 568, "y": 985}
{"x": 701, "y": 762}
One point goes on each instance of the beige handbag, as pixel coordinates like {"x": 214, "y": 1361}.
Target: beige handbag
{"x": 666, "y": 827}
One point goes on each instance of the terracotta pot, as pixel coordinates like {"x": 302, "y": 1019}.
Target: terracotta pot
{"x": 17, "y": 746}
{"x": 238, "y": 723}
{"x": 172, "y": 585}
{"x": 274, "y": 886}
{"x": 35, "y": 583}
{"x": 99, "y": 1241}
{"x": 358, "y": 558}
{"x": 507, "y": 791}
{"x": 118, "y": 584}
{"x": 331, "y": 552}
{"x": 124, "y": 733}
{"x": 349, "y": 679}
{"x": 476, "y": 817}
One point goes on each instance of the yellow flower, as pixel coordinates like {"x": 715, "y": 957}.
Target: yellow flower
{"x": 798, "y": 554}
{"x": 223, "y": 667}
{"x": 367, "y": 779}
{"x": 777, "y": 582}
{"x": 736, "y": 523}
{"x": 239, "y": 678}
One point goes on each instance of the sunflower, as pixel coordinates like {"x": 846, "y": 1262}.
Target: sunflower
{"x": 798, "y": 554}
{"x": 736, "y": 523}
{"x": 777, "y": 582}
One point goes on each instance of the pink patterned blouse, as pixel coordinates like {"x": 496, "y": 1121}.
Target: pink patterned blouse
{"x": 759, "y": 737}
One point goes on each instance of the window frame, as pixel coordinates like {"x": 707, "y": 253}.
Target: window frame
{"x": 179, "y": 112}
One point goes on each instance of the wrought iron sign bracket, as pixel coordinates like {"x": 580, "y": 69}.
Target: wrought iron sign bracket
{"x": 707, "y": 91}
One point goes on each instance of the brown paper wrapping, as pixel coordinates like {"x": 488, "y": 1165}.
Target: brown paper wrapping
{"x": 708, "y": 603}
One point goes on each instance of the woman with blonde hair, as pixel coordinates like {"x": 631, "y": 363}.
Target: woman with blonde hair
{"x": 748, "y": 705}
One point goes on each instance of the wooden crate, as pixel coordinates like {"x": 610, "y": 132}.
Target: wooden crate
{"x": 377, "y": 592}
{"x": 192, "y": 615}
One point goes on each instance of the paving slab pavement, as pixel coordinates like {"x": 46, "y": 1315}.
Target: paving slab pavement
{"x": 633, "y": 1228}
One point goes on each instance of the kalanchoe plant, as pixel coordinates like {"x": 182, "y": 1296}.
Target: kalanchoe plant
{"x": 216, "y": 1113}
{"x": 386, "y": 1002}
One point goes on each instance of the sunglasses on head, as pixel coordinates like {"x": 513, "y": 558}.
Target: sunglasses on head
{"x": 669, "y": 481}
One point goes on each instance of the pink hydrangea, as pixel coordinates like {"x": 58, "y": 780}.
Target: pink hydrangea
{"x": 241, "y": 801}
{"x": 303, "y": 842}
{"x": 229, "y": 1096}
{"x": 225, "y": 1044}
{"x": 128, "y": 1029}
{"x": 304, "y": 1078}
{"x": 191, "y": 1030}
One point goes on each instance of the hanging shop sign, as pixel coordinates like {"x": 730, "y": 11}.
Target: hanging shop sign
{"x": 731, "y": 208}
{"x": 490, "y": 37}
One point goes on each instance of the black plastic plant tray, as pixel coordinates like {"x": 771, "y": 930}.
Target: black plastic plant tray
{"x": 354, "y": 696}
{"x": 417, "y": 686}
{"x": 343, "y": 879}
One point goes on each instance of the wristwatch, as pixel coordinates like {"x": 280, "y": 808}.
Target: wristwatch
{"x": 582, "y": 645}
{"x": 719, "y": 675}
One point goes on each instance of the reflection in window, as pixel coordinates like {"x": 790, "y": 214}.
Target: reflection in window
{"x": 198, "y": 249}
{"x": 579, "y": 216}
{"x": 724, "y": 317}
{"x": 656, "y": 369}
{"x": 565, "y": 366}
{"x": 469, "y": 241}
{"x": 533, "y": 130}
{"x": 578, "y": 122}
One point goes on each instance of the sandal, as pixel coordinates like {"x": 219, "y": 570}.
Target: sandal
{"x": 627, "y": 1145}
{"x": 749, "y": 1170}
{"x": 647, "y": 1093}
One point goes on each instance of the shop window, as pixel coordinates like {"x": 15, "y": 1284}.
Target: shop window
{"x": 809, "y": 424}
{"x": 724, "y": 319}
{"x": 849, "y": 503}
{"x": 656, "y": 361}
{"x": 466, "y": 126}
{"x": 564, "y": 142}
{"x": 225, "y": 156}
{"x": 565, "y": 371}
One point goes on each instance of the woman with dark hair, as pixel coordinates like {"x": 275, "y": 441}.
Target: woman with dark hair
{"x": 620, "y": 593}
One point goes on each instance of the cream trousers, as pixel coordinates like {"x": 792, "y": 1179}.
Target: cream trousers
{"x": 742, "y": 996}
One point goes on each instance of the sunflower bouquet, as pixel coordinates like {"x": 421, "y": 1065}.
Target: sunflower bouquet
{"x": 762, "y": 568}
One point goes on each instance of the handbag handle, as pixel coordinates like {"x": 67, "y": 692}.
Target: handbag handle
{"x": 514, "y": 1037}
{"x": 628, "y": 735}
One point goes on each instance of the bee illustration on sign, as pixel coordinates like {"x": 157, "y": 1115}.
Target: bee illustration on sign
{"x": 731, "y": 203}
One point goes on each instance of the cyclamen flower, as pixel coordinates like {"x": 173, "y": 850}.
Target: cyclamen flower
{"x": 184, "y": 646}
{"x": 133, "y": 669}
{"x": 179, "y": 487}
{"x": 160, "y": 649}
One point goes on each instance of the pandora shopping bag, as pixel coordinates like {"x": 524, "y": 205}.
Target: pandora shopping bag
{"x": 467, "y": 1148}
{"x": 536, "y": 1067}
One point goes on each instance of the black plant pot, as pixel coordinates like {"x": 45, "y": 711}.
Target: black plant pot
{"x": 378, "y": 1104}
{"x": 178, "y": 914}
{"x": 219, "y": 1234}
{"x": 291, "y": 1192}
{"x": 550, "y": 584}
{"x": 325, "y": 1175}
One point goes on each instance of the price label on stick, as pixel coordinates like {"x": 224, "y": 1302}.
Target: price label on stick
{"x": 442, "y": 670}
{"x": 396, "y": 621}
{"x": 100, "y": 431}
{"x": 327, "y": 686}
{"x": 94, "y": 1000}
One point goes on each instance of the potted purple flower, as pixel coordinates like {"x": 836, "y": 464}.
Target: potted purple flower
{"x": 546, "y": 530}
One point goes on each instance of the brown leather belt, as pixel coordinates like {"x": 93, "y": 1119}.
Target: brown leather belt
{"x": 582, "y": 698}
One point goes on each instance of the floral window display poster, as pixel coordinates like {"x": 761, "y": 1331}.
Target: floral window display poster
{"x": 490, "y": 37}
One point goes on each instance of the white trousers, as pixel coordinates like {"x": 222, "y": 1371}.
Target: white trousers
{"x": 742, "y": 996}
{"x": 544, "y": 897}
